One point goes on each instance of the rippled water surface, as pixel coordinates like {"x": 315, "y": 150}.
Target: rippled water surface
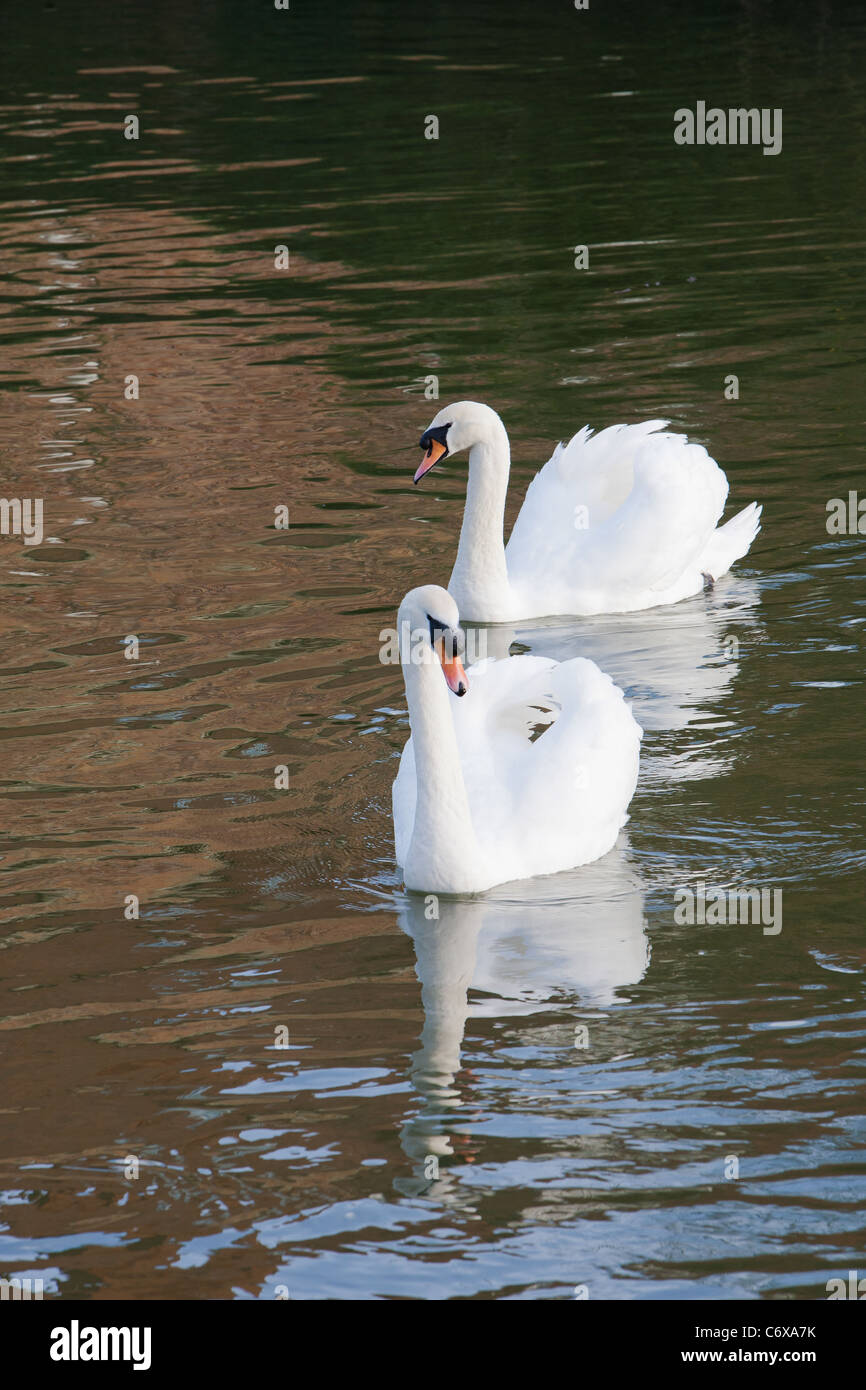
{"x": 435, "y": 1126}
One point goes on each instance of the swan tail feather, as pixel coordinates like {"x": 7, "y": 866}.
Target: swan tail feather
{"x": 731, "y": 541}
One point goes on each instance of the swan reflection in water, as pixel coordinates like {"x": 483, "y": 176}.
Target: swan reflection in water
{"x": 527, "y": 947}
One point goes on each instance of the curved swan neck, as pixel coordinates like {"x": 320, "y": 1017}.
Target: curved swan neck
{"x": 480, "y": 574}
{"x": 443, "y": 839}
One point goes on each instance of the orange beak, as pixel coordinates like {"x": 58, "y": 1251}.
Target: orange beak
{"x": 454, "y": 672}
{"x": 433, "y": 455}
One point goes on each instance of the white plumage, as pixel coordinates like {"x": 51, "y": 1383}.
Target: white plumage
{"x": 614, "y": 522}
{"x": 530, "y": 772}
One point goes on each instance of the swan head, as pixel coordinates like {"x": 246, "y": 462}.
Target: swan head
{"x": 429, "y": 627}
{"x": 454, "y": 428}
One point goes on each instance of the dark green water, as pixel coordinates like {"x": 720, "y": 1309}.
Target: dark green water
{"x": 432, "y": 1129}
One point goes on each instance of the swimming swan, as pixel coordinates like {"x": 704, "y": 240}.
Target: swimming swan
{"x": 530, "y": 772}
{"x": 614, "y": 522}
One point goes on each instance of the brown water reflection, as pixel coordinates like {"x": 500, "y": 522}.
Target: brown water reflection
{"x": 155, "y": 777}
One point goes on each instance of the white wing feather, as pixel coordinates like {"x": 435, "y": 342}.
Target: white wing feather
{"x": 615, "y": 521}
{"x": 545, "y": 803}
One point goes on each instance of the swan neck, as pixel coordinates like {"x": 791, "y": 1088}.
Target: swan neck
{"x": 480, "y": 575}
{"x": 443, "y": 838}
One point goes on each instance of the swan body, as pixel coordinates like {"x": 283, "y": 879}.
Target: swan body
{"x": 614, "y": 522}
{"x": 530, "y": 772}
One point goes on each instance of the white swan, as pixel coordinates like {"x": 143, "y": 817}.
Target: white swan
{"x": 613, "y": 523}
{"x": 530, "y": 772}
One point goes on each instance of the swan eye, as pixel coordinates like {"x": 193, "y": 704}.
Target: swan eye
{"x": 439, "y": 435}
{"x": 448, "y": 642}
{"x": 453, "y": 639}
{"x": 435, "y": 447}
